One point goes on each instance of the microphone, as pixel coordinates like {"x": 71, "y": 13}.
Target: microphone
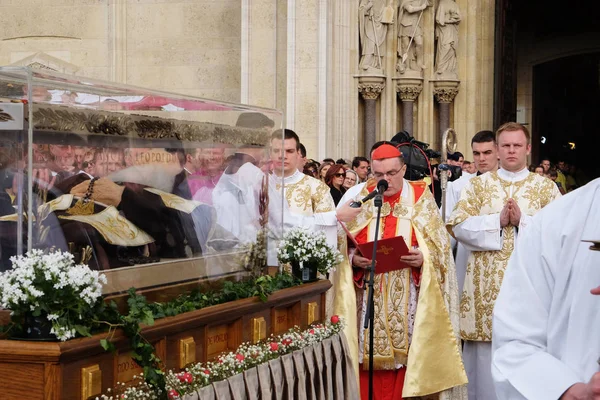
{"x": 382, "y": 186}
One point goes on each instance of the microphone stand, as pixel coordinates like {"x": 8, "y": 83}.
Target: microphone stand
{"x": 370, "y": 312}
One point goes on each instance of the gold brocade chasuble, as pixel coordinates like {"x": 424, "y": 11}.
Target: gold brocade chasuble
{"x": 306, "y": 195}
{"x": 484, "y": 195}
{"x": 433, "y": 360}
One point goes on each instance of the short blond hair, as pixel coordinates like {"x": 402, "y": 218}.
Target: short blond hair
{"x": 513, "y": 127}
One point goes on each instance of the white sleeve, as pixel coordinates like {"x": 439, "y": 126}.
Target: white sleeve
{"x": 521, "y": 366}
{"x": 480, "y": 233}
{"x": 451, "y": 199}
{"x": 525, "y": 221}
{"x": 325, "y": 221}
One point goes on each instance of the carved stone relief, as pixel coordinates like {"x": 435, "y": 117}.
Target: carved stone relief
{"x": 370, "y": 91}
{"x": 410, "y": 36}
{"x": 374, "y": 16}
{"x": 445, "y": 95}
{"x": 409, "y": 93}
{"x": 447, "y": 18}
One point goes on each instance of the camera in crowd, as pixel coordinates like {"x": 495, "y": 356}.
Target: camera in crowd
{"x": 416, "y": 155}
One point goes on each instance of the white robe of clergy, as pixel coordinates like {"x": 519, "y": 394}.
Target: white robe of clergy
{"x": 310, "y": 204}
{"x": 462, "y": 254}
{"x": 546, "y": 323}
{"x": 475, "y": 222}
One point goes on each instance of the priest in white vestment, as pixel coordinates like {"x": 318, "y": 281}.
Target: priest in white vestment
{"x": 492, "y": 210}
{"x": 546, "y": 339}
{"x": 485, "y": 158}
{"x": 309, "y": 200}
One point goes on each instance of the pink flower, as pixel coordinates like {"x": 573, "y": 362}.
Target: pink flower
{"x": 274, "y": 346}
{"x": 173, "y": 394}
{"x": 335, "y": 319}
{"x": 239, "y": 357}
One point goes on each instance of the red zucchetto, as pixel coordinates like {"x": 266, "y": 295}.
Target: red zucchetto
{"x": 386, "y": 151}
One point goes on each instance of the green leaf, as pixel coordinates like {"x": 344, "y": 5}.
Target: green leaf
{"x": 82, "y": 330}
{"x": 37, "y": 312}
{"x": 147, "y": 317}
{"x": 107, "y": 345}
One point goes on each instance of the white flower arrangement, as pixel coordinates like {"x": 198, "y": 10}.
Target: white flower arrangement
{"x": 51, "y": 285}
{"x": 306, "y": 247}
{"x": 227, "y": 365}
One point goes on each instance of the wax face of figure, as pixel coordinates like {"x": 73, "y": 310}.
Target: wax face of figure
{"x": 485, "y": 156}
{"x": 513, "y": 150}
{"x": 392, "y": 170}
{"x": 290, "y": 158}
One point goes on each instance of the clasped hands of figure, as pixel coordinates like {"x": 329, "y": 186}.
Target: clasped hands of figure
{"x": 510, "y": 214}
{"x": 105, "y": 191}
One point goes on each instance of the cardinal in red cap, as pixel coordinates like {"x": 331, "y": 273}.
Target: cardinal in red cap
{"x": 416, "y": 304}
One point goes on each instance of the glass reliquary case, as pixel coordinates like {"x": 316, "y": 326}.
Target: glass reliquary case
{"x": 151, "y": 188}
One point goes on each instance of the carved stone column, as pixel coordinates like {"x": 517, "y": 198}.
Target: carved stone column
{"x": 408, "y": 90}
{"x": 370, "y": 87}
{"x": 445, "y": 92}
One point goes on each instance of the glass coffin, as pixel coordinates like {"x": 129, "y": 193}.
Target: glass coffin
{"x": 152, "y": 188}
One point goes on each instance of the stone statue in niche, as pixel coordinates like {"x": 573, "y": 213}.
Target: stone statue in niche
{"x": 447, "y": 19}
{"x": 374, "y": 16}
{"x": 410, "y": 35}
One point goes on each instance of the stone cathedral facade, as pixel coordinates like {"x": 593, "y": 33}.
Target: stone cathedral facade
{"x": 345, "y": 72}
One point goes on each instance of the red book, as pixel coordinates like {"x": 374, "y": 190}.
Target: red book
{"x": 388, "y": 256}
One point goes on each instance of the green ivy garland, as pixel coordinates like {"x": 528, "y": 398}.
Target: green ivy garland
{"x": 141, "y": 312}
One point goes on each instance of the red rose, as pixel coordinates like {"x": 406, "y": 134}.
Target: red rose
{"x": 335, "y": 319}
{"x": 173, "y": 394}
{"x": 207, "y": 372}
{"x": 239, "y": 357}
{"x": 185, "y": 377}
{"x": 312, "y": 331}
{"x": 286, "y": 341}
{"x": 274, "y": 346}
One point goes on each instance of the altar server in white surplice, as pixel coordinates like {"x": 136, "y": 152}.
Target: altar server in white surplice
{"x": 485, "y": 158}
{"x": 492, "y": 210}
{"x": 546, "y": 339}
{"x": 308, "y": 199}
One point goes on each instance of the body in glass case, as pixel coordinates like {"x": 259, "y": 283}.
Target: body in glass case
{"x": 151, "y": 188}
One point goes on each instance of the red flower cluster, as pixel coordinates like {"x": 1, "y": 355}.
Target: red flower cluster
{"x": 173, "y": 394}
{"x": 239, "y": 357}
{"x": 185, "y": 377}
{"x": 274, "y": 346}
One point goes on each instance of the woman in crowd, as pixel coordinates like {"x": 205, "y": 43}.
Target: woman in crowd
{"x": 323, "y": 170}
{"x": 351, "y": 179}
{"x": 311, "y": 169}
{"x": 335, "y": 179}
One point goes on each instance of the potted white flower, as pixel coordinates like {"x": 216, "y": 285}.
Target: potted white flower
{"x": 49, "y": 296}
{"x": 308, "y": 253}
